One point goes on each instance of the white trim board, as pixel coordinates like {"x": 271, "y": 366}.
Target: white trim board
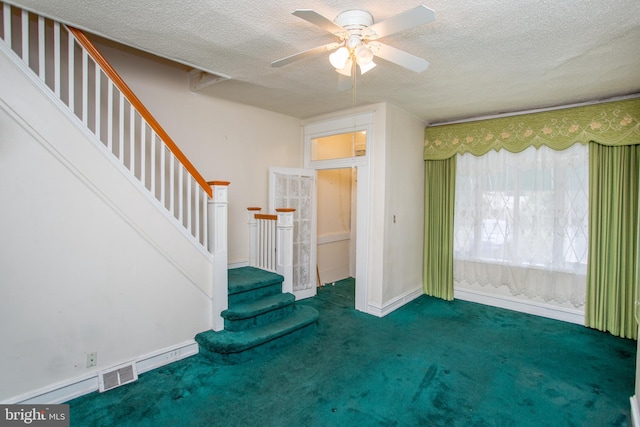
{"x": 395, "y": 303}
{"x": 529, "y": 307}
{"x": 635, "y": 411}
{"x": 67, "y": 390}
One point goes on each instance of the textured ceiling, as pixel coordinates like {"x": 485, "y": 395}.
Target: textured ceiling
{"x": 487, "y": 57}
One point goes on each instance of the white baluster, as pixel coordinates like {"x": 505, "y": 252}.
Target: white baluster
{"x": 25, "y": 37}
{"x": 180, "y": 193}
{"x": 153, "y": 163}
{"x": 132, "y": 139}
{"x": 97, "y": 97}
{"x": 163, "y": 178}
{"x": 188, "y": 204}
{"x": 172, "y": 185}
{"x": 121, "y": 127}
{"x": 109, "y": 113}
{"x": 56, "y": 58}
{"x": 253, "y": 236}
{"x": 85, "y": 88}
{"x": 72, "y": 68}
{"x": 6, "y": 13}
{"x": 271, "y": 241}
{"x": 197, "y": 214}
{"x": 205, "y": 223}
{"x": 41, "y": 50}
{"x": 143, "y": 152}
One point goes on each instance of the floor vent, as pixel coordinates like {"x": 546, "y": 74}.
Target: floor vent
{"x": 117, "y": 376}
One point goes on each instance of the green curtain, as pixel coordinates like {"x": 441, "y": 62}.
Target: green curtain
{"x": 614, "y": 225}
{"x": 613, "y": 245}
{"x": 440, "y": 185}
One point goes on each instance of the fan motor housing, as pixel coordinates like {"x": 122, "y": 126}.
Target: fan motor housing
{"x": 354, "y": 19}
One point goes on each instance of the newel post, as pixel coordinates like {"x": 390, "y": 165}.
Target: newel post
{"x": 253, "y": 235}
{"x": 284, "y": 243}
{"x": 217, "y": 217}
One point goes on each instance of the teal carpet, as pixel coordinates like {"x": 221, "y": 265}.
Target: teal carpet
{"x": 429, "y": 363}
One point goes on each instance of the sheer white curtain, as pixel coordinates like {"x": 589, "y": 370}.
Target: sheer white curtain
{"x": 520, "y": 226}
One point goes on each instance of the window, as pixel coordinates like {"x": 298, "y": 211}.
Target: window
{"x": 340, "y": 146}
{"x": 521, "y": 222}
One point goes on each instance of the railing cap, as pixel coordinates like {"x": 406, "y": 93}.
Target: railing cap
{"x": 267, "y": 217}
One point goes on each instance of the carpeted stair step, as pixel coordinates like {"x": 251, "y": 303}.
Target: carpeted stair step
{"x": 259, "y": 312}
{"x": 236, "y": 347}
{"x": 250, "y": 283}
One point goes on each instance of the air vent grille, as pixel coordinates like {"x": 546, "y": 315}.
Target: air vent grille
{"x": 117, "y": 376}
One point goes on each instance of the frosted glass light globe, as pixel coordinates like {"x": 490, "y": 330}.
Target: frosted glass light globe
{"x": 339, "y": 58}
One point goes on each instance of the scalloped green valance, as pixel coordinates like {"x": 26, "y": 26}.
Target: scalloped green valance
{"x": 610, "y": 123}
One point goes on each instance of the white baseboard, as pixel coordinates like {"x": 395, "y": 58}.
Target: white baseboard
{"x": 238, "y": 264}
{"x": 67, "y": 390}
{"x": 530, "y": 307}
{"x": 395, "y": 303}
{"x": 165, "y": 356}
{"x": 635, "y": 412}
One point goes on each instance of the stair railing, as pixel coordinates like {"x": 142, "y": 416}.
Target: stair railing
{"x": 66, "y": 61}
{"x": 71, "y": 71}
{"x": 271, "y": 243}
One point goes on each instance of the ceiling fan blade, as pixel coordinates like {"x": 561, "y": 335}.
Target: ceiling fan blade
{"x": 400, "y": 57}
{"x": 319, "y": 20}
{"x": 403, "y": 21}
{"x": 305, "y": 54}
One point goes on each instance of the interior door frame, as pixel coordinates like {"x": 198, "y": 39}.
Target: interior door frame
{"x": 347, "y": 124}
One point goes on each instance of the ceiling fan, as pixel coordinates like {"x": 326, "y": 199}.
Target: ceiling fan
{"x": 358, "y": 37}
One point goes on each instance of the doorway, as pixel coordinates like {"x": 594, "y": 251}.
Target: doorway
{"x": 336, "y": 228}
{"x": 346, "y": 143}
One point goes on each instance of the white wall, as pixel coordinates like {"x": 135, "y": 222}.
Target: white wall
{"x": 334, "y": 224}
{"x": 224, "y": 140}
{"x": 404, "y": 205}
{"x": 396, "y": 187}
{"x": 87, "y": 264}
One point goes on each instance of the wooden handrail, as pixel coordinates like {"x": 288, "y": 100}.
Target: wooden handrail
{"x": 137, "y": 104}
{"x": 266, "y": 216}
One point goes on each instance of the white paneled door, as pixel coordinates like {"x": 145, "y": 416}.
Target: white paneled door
{"x": 296, "y": 188}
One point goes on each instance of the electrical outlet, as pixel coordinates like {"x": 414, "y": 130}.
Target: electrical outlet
{"x": 92, "y": 359}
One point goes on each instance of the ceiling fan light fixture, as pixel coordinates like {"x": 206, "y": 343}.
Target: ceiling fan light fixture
{"x": 339, "y": 58}
{"x": 346, "y": 69}
{"x": 364, "y": 55}
{"x": 357, "y": 39}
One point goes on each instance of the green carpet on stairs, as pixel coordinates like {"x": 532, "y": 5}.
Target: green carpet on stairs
{"x": 260, "y": 318}
{"x": 431, "y": 363}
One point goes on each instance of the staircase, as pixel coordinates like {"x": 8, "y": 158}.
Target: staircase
{"x": 260, "y": 318}
{"x": 64, "y": 64}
